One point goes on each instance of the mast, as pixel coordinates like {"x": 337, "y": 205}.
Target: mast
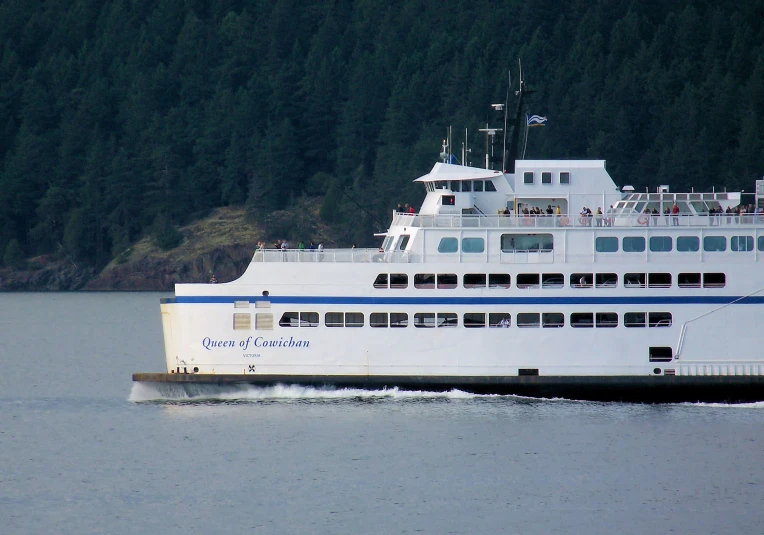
{"x": 510, "y": 145}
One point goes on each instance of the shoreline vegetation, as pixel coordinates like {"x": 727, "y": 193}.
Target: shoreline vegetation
{"x": 221, "y": 244}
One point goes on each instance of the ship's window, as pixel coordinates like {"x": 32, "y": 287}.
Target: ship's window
{"x": 760, "y": 243}
{"x": 715, "y": 243}
{"x": 660, "y": 244}
{"x": 606, "y": 244}
{"x": 659, "y": 319}
{"x": 607, "y": 319}
{"x": 633, "y": 244}
{"x": 582, "y": 320}
{"x": 499, "y": 280}
{"x": 474, "y": 280}
{"x": 242, "y": 321}
{"x": 564, "y": 177}
{"x": 424, "y": 319}
{"x": 687, "y": 244}
{"x": 499, "y": 319}
{"x": 489, "y": 185}
{"x": 386, "y": 243}
{"x": 552, "y": 280}
{"x": 381, "y": 281}
{"x": 404, "y": 242}
{"x": 448, "y": 245}
{"x": 399, "y": 280}
{"x": 528, "y": 319}
{"x": 399, "y": 319}
{"x": 447, "y": 280}
{"x": 714, "y": 280}
{"x": 289, "y": 319}
{"x": 527, "y": 280}
{"x": 659, "y": 280}
{"x": 688, "y": 280}
{"x": 447, "y": 319}
{"x": 477, "y": 185}
{"x": 308, "y": 319}
{"x": 661, "y": 354}
{"x": 466, "y": 185}
{"x": 334, "y": 319}
{"x": 474, "y": 319}
{"x": 741, "y": 243}
{"x": 473, "y": 245}
{"x": 546, "y": 178}
{"x": 528, "y": 177}
{"x": 441, "y": 184}
{"x": 634, "y": 319}
{"x": 455, "y": 186}
{"x": 634, "y": 280}
{"x": 448, "y": 200}
{"x": 552, "y": 320}
{"x": 606, "y": 280}
{"x": 526, "y": 242}
{"x": 424, "y": 280}
{"x": 581, "y": 280}
{"x": 378, "y": 319}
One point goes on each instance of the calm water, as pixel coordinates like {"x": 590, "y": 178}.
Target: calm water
{"x": 83, "y": 451}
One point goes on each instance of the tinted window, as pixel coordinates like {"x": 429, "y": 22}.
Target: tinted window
{"x": 741, "y": 243}
{"x": 473, "y": 245}
{"x": 633, "y": 244}
{"x": 714, "y": 243}
{"x": 659, "y": 244}
{"x": 489, "y": 186}
{"x": 448, "y": 245}
{"x": 687, "y": 243}
{"x": 606, "y": 244}
{"x": 528, "y": 177}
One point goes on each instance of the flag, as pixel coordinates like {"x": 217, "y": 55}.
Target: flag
{"x": 534, "y": 120}
{"x": 452, "y": 160}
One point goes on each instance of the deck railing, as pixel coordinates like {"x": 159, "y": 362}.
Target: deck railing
{"x": 579, "y": 221}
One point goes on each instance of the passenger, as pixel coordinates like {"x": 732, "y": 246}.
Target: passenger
{"x": 399, "y": 210}
{"x": 320, "y": 251}
{"x": 598, "y": 216}
{"x": 411, "y": 210}
{"x": 675, "y": 214}
{"x": 213, "y": 280}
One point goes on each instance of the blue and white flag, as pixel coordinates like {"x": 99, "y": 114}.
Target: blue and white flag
{"x": 534, "y": 120}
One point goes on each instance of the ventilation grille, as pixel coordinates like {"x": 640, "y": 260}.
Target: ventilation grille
{"x": 262, "y": 304}
{"x": 241, "y": 304}
{"x": 264, "y": 322}
{"x": 242, "y": 322}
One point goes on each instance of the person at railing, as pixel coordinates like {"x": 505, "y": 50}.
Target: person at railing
{"x": 598, "y": 217}
{"x": 411, "y": 210}
{"x": 666, "y": 215}
{"x": 675, "y": 214}
{"x": 655, "y": 215}
{"x": 320, "y": 251}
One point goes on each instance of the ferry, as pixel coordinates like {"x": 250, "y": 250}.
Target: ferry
{"x": 540, "y": 279}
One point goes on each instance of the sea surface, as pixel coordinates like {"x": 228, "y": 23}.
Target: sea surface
{"x": 83, "y": 450}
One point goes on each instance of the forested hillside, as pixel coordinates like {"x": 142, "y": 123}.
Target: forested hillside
{"x": 124, "y": 118}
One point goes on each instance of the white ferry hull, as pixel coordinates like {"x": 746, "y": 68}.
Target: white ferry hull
{"x": 620, "y": 306}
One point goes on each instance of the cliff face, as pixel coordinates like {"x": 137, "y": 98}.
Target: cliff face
{"x": 222, "y": 244}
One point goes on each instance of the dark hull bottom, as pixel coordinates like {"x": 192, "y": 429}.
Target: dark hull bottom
{"x": 641, "y": 389}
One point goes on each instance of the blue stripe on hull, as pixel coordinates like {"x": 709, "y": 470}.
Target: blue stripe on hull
{"x": 347, "y": 300}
